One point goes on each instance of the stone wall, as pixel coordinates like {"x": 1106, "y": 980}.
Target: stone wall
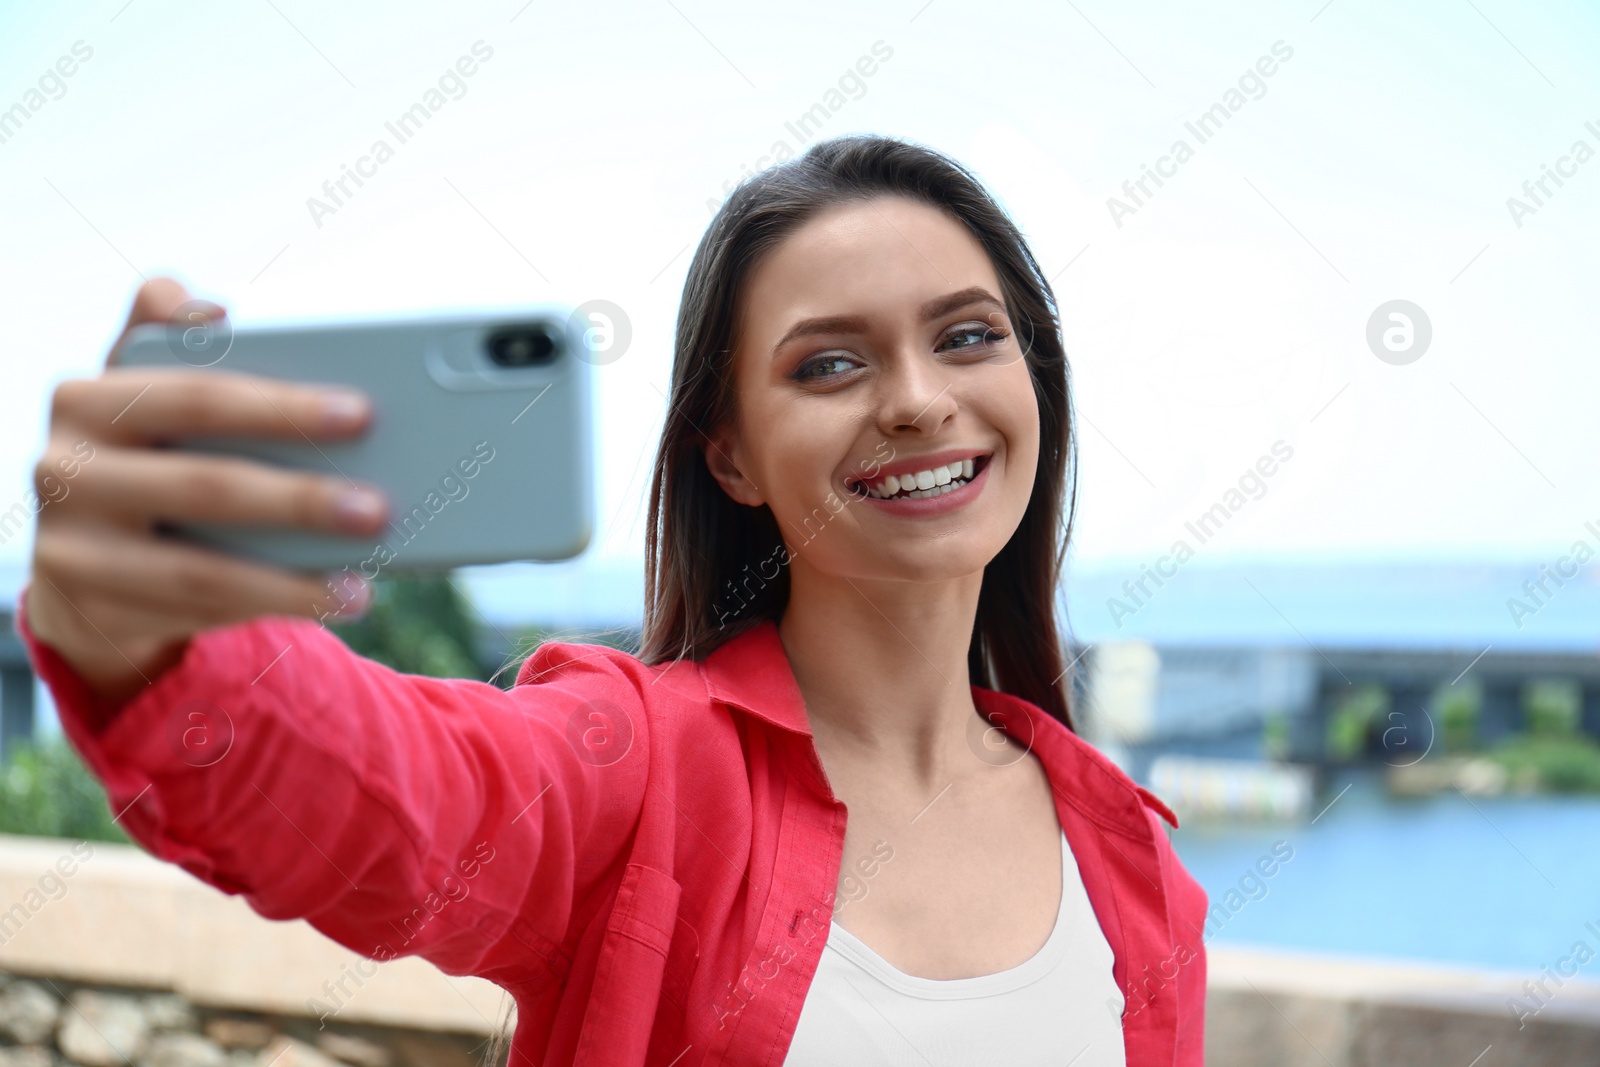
{"x": 1279, "y": 1009}
{"x": 46, "y": 1022}
{"x": 113, "y": 916}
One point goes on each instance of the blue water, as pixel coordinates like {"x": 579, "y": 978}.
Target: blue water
{"x": 1506, "y": 883}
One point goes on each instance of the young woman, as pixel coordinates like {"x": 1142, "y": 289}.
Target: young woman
{"x": 833, "y": 812}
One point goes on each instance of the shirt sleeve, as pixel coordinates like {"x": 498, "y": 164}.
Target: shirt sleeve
{"x": 398, "y": 814}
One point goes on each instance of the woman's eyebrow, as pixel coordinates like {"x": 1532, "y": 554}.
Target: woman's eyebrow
{"x": 933, "y": 309}
{"x": 943, "y": 305}
{"x": 827, "y": 324}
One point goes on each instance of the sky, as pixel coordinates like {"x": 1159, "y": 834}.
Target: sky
{"x": 1210, "y": 321}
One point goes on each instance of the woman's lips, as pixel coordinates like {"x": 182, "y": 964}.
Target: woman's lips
{"x": 860, "y": 485}
{"x": 917, "y": 507}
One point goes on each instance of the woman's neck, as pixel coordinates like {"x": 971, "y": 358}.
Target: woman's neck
{"x": 882, "y": 666}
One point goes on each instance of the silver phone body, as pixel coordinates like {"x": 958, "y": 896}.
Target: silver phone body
{"x": 481, "y": 463}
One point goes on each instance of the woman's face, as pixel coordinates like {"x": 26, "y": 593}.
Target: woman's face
{"x": 874, "y": 342}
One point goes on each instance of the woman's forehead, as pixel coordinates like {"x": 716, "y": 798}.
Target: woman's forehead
{"x": 888, "y": 254}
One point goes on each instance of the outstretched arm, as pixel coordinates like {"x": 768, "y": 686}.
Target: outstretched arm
{"x": 398, "y": 814}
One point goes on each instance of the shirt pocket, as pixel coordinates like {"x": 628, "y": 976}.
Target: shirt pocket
{"x": 668, "y": 1040}
{"x": 645, "y": 964}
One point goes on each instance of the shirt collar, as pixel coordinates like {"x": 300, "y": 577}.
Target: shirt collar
{"x": 1081, "y": 773}
{"x": 751, "y": 672}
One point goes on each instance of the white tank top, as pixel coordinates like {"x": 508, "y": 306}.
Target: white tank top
{"x": 1059, "y": 1008}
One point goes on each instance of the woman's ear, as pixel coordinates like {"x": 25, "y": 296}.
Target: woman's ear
{"x": 723, "y": 460}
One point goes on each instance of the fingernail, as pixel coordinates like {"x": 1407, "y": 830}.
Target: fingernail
{"x": 360, "y": 600}
{"x": 357, "y": 509}
{"x": 343, "y": 409}
{"x": 353, "y": 593}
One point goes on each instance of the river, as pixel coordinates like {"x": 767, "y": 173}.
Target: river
{"x": 1505, "y": 883}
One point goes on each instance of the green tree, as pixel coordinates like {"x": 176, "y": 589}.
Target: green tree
{"x": 1549, "y": 744}
{"x": 1351, "y": 720}
{"x": 46, "y": 790}
{"x": 1551, "y": 706}
{"x": 419, "y": 625}
{"x": 1458, "y": 709}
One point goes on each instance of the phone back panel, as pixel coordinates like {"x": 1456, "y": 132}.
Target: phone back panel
{"x": 480, "y": 463}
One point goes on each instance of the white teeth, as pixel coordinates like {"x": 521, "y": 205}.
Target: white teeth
{"x": 933, "y": 482}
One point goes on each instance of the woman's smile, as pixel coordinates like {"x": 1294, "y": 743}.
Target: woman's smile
{"x": 922, "y": 486}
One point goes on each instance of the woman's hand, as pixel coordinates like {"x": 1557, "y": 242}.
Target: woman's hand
{"x": 119, "y": 602}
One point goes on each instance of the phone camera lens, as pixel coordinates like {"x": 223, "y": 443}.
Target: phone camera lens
{"x": 521, "y": 346}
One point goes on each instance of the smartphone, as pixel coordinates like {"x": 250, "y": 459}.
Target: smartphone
{"x": 480, "y": 437}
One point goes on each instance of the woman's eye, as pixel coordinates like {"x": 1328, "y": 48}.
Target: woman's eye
{"x": 972, "y": 335}
{"x": 820, "y": 368}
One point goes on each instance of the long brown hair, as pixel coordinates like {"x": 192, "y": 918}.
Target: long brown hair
{"x": 703, "y": 550}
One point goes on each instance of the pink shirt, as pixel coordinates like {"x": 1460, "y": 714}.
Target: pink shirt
{"x": 644, "y": 857}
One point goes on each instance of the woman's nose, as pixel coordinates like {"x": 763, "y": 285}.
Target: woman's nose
{"x": 917, "y": 397}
